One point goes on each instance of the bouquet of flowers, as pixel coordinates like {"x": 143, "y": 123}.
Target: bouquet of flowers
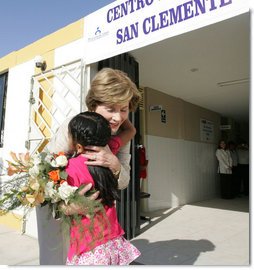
{"x": 41, "y": 180}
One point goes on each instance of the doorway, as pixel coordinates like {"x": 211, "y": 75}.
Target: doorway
{"x": 128, "y": 208}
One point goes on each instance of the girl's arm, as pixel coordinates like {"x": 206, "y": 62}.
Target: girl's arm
{"x": 127, "y": 132}
{"x": 73, "y": 208}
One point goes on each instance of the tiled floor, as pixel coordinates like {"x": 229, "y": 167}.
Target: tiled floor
{"x": 214, "y": 232}
{"x": 17, "y": 249}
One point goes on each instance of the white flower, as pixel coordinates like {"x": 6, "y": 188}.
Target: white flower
{"x": 34, "y": 171}
{"x": 51, "y": 193}
{"x": 36, "y": 159}
{"x": 48, "y": 189}
{"x": 48, "y": 158}
{"x": 60, "y": 161}
{"x": 65, "y": 191}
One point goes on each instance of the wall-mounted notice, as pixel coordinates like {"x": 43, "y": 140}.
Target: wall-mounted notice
{"x": 225, "y": 127}
{"x": 155, "y": 108}
{"x": 163, "y": 116}
{"x": 206, "y": 131}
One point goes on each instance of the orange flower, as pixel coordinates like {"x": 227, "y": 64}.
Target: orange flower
{"x": 54, "y": 175}
{"x": 12, "y": 169}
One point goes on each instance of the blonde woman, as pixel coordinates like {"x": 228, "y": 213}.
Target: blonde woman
{"x": 113, "y": 95}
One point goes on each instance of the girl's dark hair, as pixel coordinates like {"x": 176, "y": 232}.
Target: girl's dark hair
{"x": 90, "y": 128}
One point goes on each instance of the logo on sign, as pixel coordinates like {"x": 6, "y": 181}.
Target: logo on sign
{"x": 98, "y": 34}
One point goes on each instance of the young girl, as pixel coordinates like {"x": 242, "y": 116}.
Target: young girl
{"x": 90, "y": 128}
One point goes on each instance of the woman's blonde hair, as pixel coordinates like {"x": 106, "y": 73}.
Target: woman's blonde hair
{"x": 112, "y": 86}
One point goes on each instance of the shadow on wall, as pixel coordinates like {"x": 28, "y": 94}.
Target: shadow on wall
{"x": 172, "y": 252}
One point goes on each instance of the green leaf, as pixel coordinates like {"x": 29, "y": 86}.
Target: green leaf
{"x": 63, "y": 175}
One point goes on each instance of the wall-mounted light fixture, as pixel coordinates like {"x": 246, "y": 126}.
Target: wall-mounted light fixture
{"x": 40, "y": 63}
{"x": 228, "y": 83}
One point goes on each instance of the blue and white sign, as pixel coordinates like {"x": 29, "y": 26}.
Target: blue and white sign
{"x": 126, "y": 25}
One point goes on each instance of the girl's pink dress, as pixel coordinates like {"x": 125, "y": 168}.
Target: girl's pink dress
{"x": 110, "y": 249}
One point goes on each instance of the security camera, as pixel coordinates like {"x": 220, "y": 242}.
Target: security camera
{"x": 40, "y": 63}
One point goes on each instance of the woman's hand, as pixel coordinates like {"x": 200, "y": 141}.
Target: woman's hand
{"x": 102, "y": 156}
{"x": 73, "y": 208}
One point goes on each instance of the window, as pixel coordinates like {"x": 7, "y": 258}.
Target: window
{"x": 3, "y": 90}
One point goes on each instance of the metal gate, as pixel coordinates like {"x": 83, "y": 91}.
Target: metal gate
{"x": 55, "y": 95}
{"x": 128, "y": 208}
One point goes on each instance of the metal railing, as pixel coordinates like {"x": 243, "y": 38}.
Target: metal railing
{"x": 55, "y": 95}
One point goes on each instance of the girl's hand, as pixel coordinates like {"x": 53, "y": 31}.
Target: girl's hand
{"x": 85, "y": 189}
{"x": 73, "y": 208}
{"x": 102, "y": 156}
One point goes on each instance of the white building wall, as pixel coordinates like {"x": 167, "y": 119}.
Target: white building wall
{"x": 180, "y": 172}
{"x": 69, "y": 52}
{"x": 17, "y": 108}
{"x": 16, "y": 122}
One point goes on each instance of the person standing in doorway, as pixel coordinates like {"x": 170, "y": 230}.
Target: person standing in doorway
{"x": 243, "y": 155}
{"x": 235, "y": 173}
{"x": 225, "y": 170}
